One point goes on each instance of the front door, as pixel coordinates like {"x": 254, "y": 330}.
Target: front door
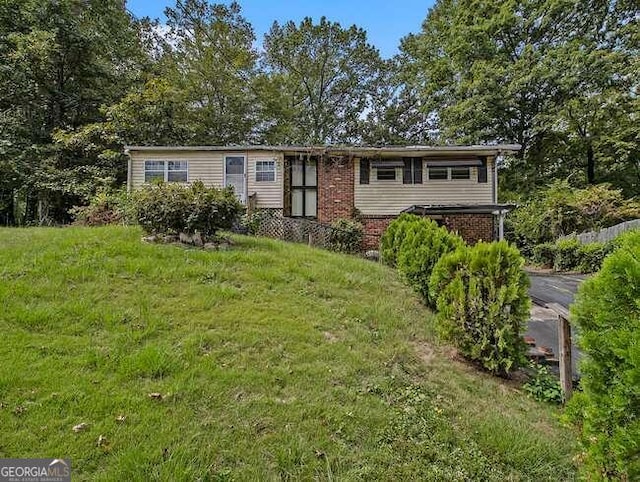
{"x": 234, "y": 175}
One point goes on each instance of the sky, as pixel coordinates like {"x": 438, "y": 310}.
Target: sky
{"x": 386, "y": 21}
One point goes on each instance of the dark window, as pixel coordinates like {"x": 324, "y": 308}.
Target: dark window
{"x": 304, "y": 191}
{"x": 460, "y": 173}
{"x": 438, "y": 173}
{"x": 482, "y": 170}
{"x": 412, "y": 171}
{"x": 365, "y": 168}
{"x": 386, "y": 173}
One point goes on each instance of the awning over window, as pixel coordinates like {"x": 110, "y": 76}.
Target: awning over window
{"x": 387, "y": 163}
{"x": 459, "y": 209}
{"x": 454, "y": 162}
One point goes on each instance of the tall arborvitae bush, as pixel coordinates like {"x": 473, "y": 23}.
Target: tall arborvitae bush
{"x": 483, "y": 304}
{"x": 393, "y": 236}
{"x": 423, "y": 244}
{"x": 607, "y": 313}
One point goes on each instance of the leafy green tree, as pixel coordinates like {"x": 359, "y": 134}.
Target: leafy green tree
{"x": 60, "y": 62}
{"x": 211, "y": 61}
{"x": 557, "y": 77}
{"x": 321, "y": 78}
{"x": 396, "y": 115}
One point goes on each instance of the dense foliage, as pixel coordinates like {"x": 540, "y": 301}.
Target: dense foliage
{"x": 173, "y": 209}
{"x": 560, "y": 209}
{"x": 422, "y": 245}
{"x": 570, "y": 255}
{"x": 393, "y": 237}
{"x": 106, "y": 207}
{"x": 607, "y": 313}
{"x": 483, "y": 304}
{"x": 543, "y": 385}
{"x": 558, "y": 77}
{"x": 346, "y": 236}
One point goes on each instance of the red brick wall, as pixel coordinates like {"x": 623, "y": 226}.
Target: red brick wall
{"x": 472, "y": 227}
{"x": 374, "y": 227}
{"x": 335, "y": 189}
{"x": 336, "y": 200}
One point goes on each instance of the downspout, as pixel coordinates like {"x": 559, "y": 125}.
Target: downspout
{"x": 495, "y": 178}
{"x": 501, "y": 212}
{"x": 501, "y": 215}
{"x": 126, "y": 151}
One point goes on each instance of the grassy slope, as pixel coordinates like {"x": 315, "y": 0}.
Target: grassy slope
{"x": 275, "y": 361}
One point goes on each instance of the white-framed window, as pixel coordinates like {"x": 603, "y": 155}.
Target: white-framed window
{"x": 167, "y": 171}
{"x": 265, "y": 171}
{"x": 449, "y": 173}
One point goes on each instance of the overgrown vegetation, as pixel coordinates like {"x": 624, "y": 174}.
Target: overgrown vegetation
{"x": 106, "y": 207}
{"x": 346, "y": 236}
{"x": 168, "y": 208}
{"x": 483, "y": 304}
{"x": 561, "y": 209}
{"x": 542, "y": 385}
{"x": 607, "y": 313}
{"x": 267, "y": 361}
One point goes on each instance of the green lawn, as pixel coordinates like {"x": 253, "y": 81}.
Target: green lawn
{"x": 274, "y": 361}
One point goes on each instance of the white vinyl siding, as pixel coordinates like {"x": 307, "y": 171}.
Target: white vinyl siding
{"x": 208, "y": 167}
{"x": 391, "y": 197}
{"x": 268, "y": 194}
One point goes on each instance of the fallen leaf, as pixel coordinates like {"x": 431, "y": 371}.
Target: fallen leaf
{"x": 156, "y": 396}
{"x": 80, "y": 427}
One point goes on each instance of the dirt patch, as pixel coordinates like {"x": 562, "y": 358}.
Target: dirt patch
{"x": 425, "y": 352}
{"x": 330, "y": 337}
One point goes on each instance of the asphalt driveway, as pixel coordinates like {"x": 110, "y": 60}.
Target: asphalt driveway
{"x": 543, "y": 325}
{"x": 554, "y": 288}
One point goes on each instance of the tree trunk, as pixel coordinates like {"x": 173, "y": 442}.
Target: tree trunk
{"x": 591, "y": 165}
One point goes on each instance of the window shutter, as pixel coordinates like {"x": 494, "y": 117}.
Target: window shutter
{"x": 417, "y": 171}
{"x": 364, "y": 171}
{"x": 482, "y": 171}
{"x": 406, "y": 171}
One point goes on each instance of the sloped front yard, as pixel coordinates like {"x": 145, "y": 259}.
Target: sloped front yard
{"x": 265, "y": 361}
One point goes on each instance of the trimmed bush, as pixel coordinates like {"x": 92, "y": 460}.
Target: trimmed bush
{"x": 544, "y": 254}
{"x": 607, "y": 313}
{"x": 106, "y": 207}
{"x": 424, "y": 243}
{"x": 592, "y": 256}
{"x": 168, "y": 208}
{"x": 346, "y": 236}
{"x": 483, "y": 304}
{"x": 393, "y": 236}
{"x": 567, "y": 255}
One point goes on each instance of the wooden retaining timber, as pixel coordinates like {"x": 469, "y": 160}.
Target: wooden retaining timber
{"x": 564, "y": 343}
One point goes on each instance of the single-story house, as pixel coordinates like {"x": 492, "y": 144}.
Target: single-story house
{"x": 455, "y": 185}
